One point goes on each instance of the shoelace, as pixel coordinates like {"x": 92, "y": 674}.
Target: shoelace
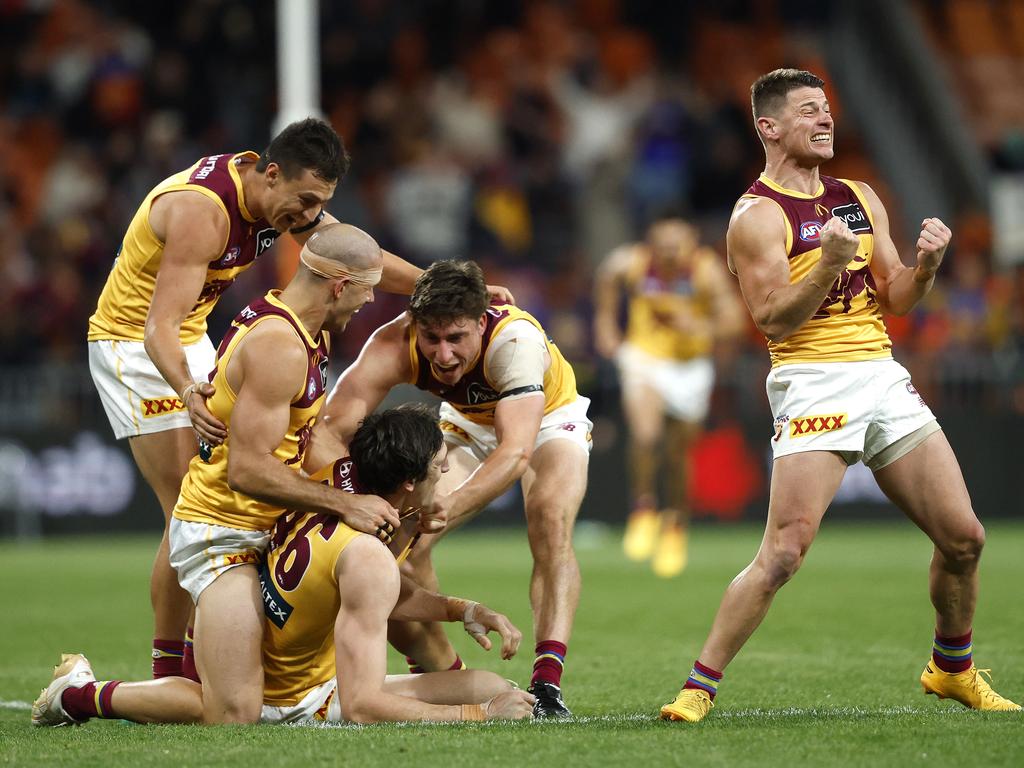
{"x": 982, "y": 685}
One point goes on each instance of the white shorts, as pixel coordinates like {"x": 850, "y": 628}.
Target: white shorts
{"x": 854, "y": 409}
{"x": 135, "y": 396}
{"x": 320, "y": 705}
{"x": 201, "y": 552}
{"x": 684, "y": 385}
{"x": 569, "y": 422}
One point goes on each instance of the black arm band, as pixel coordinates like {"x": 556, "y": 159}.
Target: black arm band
{"x": 522, "y": 390}
{"x": 306, "y": 227}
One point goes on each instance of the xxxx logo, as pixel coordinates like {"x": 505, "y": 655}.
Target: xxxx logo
{"x": 160, "y": 406}
{"x": 241, "y": 558}
{"x": 813, "y": 425}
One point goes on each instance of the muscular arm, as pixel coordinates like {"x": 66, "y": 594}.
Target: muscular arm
{"x": 194, "y": 231}
{"x": 260, "y": 420}
{"x": 516, "y": 424}
{"x": 726, "y": 310}
{"x": 418, "y": 604}
{"x": 608, "y": 284}
{"x": 368, "y": 583}
{"x": 757, "y": 249}
{"x": 900, "y": 287}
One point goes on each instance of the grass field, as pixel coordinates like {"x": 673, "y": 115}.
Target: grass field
{"x": 830, "y": 679}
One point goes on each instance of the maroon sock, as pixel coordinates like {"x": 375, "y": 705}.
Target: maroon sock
{"x": 89, "y": 700}
{"x": 458, "y": 666}
{"x": 167, "y": 657}
{"x": 704, "y": 678}
{"x": 550, "y": 660}
{"x": 414, "y": 666}
{"x": 188, "y": 659}
{"x": 952, "y": 654}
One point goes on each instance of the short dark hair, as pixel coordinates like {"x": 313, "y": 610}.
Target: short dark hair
{"x": 395, "y": 446}
{"x": 447, "y": 291}
{"x": 770, "y": 90}
{"x": 309, "y": 144}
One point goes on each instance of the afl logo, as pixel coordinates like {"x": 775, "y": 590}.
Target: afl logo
{"x": 810, "y": 230}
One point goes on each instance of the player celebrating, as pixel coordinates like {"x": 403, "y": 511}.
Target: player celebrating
{"x": 510, "y": 412}
{"x": 680, "y": 304}
{"x": 817, "y": 268}
{"x": 328, "y": 591}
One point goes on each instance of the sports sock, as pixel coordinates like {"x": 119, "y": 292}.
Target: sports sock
{"x": 458, "y": 665}
{"x": 167, "y": 657}
{"x": 188, "y": 659}
{"x": 550, "y": 660}
{"x": 89, "y": 700}
{"x": 704, "y": 678}
{"x": 952, "y": 654}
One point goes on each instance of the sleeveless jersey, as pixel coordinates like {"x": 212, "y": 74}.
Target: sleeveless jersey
{"x": 124, "y": 303}
{"x": 848, "y": 326}
{"x": 205, "y": 495}
{"x": 300, "y": 595}
{"x": 474, "y": 396}
{"x": 655, "y": 299}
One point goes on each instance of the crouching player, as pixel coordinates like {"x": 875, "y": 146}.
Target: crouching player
{"x": 328, "y": 593}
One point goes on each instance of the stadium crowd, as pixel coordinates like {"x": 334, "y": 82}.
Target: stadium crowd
{"x": 531, "y": 137}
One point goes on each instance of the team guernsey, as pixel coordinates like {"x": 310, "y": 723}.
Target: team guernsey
{"x": 848, "y": 326}
{"x": 655, "y": 299}
{"x": 205, "y": 495}
{"x": 124, "y": 303}
{"x": 474, "y": 396}
{"x": 300, "y": 596}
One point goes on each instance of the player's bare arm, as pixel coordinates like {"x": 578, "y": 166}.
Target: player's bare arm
{"x": 756, "y": 242}
{"x": 383, "y": 363}
{"x": 608, "y": 284}
{"x": 368, "y": 575}
{"x": 260, "y": 420}
{"x": 194, "y": 230}
{"x": 900, "y": 287}
{"x": 418, "y": 604}
{"x": 726, "y": 311}
{"x": 516, "y": 424}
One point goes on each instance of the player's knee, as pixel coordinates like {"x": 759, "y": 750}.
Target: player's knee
{"x": 550, "y": 536}
{"x": 237, "y": 710}
{"x": 782, "y": 563}
{"x": 964, "y": 549}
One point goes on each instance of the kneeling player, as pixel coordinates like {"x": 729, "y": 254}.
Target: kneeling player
{"x": 322, "y": 581}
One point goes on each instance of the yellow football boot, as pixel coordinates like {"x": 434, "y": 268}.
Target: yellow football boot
{"x": 691, "y": 706}
{"x": 671, "y": 552}
{"x": 967, "y": 687}
{"x": 641, "y": 534}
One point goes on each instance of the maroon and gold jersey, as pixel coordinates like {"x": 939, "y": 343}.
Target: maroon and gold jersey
{"x": 474, "y": 396}
{"x": 124, "y": 303}
{"x": 848, "y": 325}
{"x": 205, "y": 494}
{"x": 300, "y": 595}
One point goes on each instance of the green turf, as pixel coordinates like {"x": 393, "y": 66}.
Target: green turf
{"x": 830, "y": 679}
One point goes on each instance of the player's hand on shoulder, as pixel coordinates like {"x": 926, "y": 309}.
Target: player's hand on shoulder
{"x": 209, "y": 428}
{"x": 499, "y": 294}
{"x": 479, "y": 620}
{"x": 931, "y": 244}
{"x": 510, "y": 705}
{"x": 368, "y": 514}
{"x": 838, "y": 244}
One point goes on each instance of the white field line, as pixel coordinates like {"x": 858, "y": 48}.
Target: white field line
{"x": 25, "y": 705}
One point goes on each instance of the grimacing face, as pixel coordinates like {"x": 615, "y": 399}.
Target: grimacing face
{"x": 451, "y": 348}
{"x": 292, "y": 203}
{"x": 352, "y": 298}
{"x": 805, "y": 126}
